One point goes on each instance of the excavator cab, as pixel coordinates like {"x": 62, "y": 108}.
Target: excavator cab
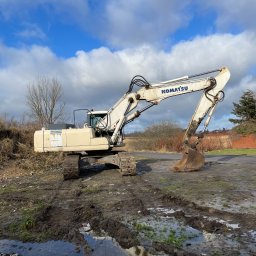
{"x": 91, "y": 118}
{"x": 94, "y": 118}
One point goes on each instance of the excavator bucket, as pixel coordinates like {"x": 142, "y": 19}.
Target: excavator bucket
{"x": 192, "y": 160}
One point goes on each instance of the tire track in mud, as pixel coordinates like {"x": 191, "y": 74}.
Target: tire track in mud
{"x": 69, "y": 209}
{"x": 69, "y": 206}
{"x": 143, "y": 195}
{"x": 62, "y": 211}
{"x": 191, "y": 210}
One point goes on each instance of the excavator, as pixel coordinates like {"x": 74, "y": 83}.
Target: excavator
{"x": 101, "y": 135}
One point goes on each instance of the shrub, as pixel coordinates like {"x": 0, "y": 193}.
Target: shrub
{"x": 16, "y": 141}
{"x": 6, "y": 149}
{"x": 158, "y": 137}
{"x": 245, "y": 128}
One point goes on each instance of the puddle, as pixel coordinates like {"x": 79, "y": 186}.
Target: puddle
{"x": 101, "y": 245}
{"x": 162, "y": 210}
{"x": 166, "y": 229}
{"x": 169, "y": 230}
{"x": 53, "y": 248}
{"x": 98, "y": 246}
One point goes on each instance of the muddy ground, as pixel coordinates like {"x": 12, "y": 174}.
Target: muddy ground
{"x": 211, "y": 212}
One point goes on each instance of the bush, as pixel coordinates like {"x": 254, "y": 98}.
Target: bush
{"x": 161, "y": 130}
{"x": 13, "y": 141}
{"x": 6, "y": 149}
{"x": 158, "y": 137}
{"x": 245, "y": 128}
{"x": 16, "y": 141}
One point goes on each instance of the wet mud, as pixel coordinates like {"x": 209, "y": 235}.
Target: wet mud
{"x": 211, "y": 212}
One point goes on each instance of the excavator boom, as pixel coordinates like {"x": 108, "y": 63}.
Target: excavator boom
{"x": 121, "y": 113}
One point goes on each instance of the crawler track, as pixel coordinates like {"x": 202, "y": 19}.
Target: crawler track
{"x": 71, "y": 167}
{"x": 126, "y": 164}
{"x": 124, "y": 161}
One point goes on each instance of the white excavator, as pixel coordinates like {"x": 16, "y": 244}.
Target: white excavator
{"x": 99, "y": 138}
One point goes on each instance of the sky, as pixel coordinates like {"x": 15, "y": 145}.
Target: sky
{"x": 95, "y": 47}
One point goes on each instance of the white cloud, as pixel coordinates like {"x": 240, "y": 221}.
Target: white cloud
{"x": 120, "y": 23}
{"x": 32, "y": 31}
{"x": 69, "y": 11}
{"x": 131, "y": 23}
{"x": 230, "y": 13}
{"x": 98, "y": 78}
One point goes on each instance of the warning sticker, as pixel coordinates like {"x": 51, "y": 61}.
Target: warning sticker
{"x": 56, "y": 139}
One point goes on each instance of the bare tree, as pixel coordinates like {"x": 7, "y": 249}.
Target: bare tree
{"x": 44, "y": 99}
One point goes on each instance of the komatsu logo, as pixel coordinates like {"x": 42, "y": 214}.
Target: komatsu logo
{"x": 177, "y": 89}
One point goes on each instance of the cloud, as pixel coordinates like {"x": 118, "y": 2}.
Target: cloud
{"x": 32, "y": 31}
{"x": 98, "y": 78}
{"x": 119, "y": 23}
{"x": 132, "y": 23}
{"x": 230, "y": 13}
{"x": 68, "y": 11}
{"x": 122, "y": 23}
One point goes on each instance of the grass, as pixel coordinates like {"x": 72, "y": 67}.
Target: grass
{"x": 23, "y": 227}
{"x": 171, "y": 187}
{"x": 147, "y": 230}
{"x": 249, "y": 151}
{"x": 14, "y": 189}
{"x": 163, "y": 234}
{"x": 175, "y": 239}
{"x": 91, "y": 189}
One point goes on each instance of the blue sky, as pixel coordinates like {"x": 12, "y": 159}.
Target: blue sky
{"x": 95, "y": 47}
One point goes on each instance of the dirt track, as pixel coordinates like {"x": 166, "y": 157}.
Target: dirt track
{"x": 211, "y": 212}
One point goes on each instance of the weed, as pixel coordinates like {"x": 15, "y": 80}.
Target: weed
{"x": 171, "y": 236}
{"x": 175, "y": 239}
{"x": 91, "y": 190}
{"x": 9, "y": 189}
{"x": 226, "y": 205}
{"x": 222, "y": 184}
{"x": 27, "y": 222}
{"x": 163, "y": 180}
{"x": 6, "y": 149}
{"x": 164, "y": 230}
{"x": 142, "y": 227}
{"x": 171, "y": 187}
{"x": 216, "y": 253}
{"x": 148, "y": 231}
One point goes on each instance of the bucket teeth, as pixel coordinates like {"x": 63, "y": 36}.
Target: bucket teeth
{"x": 192, "y": 160}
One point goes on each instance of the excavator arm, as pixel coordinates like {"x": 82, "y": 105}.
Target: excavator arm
{"x": 192, "y": 159}
{"x": 124, "y": 111}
